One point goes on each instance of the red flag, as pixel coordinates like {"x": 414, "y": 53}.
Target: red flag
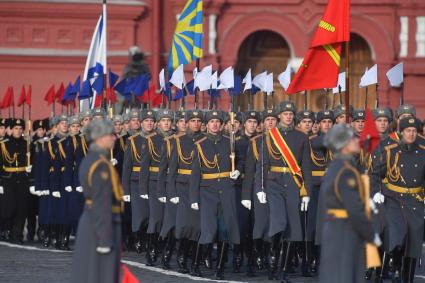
{"x": 320, "y": 66}
{"x": 28, "y": 96}
{"x": 59, "y": 94}
{"x": 370, "y": 136}
{"x": 21, "y": 99}
{"x": 319, "y": 69}
{"x": 6, "y": 98}
{"x": 109, "y": 92}
{"x": 50, "y": 95}
{"x": 128, "y": 277}
{"x": 98, "y": 100}
{"x": 150, "y": 96}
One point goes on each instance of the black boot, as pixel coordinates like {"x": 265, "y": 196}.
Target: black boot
{"x": 237, "y": 258}
{"x": 219, "y": 274}
{"x": 58, "y": 237}
{"x": 251, "y": 251}
{"x": 47, "y": 236}
{"x": 65, "y": 240}
{"x": 181, "y": 256}
{"x": 208, "y": 256}
{"x": 305, "y": 265}
{"x": 194, "y": 270}
{"x": 285, "y": 262}
{"x": 151, "y": 253}
{"x": 168, "y": 250}
{"x": 138, "y": 246}
{"x": 274, "y": 257}
{"x": 406, "y": 270}
{"x": 412, "y": 268}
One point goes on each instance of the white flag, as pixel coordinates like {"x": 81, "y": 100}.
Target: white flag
{"x": 340, "y": 83}
{"x": 247, "y": 81}
{"x": 268, "y": 87}
{"x": 260, "y": 80}
{"x": 285, "y": 77}
{"x": 370, "y": 77}
{"x": 203, "y": 78}
{"x": 162, "y": 80}
{"x": 177, "y": 78}
{"x": 395, "y": 75}
{"x": 227, "y": 79}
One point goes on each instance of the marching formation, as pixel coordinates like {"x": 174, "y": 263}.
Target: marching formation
{"x": 285, "y": 190}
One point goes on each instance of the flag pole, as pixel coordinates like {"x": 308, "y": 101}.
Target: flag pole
{"x": 347, "y": 82}
{"x": 196, "y": 91}
{"x": 377, "y": 96}
{"x": 402, "y": 94}
{"x": 366, "y": 96}
{"x": 305, "y": 99}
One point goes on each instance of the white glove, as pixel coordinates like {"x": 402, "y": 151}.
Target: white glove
{"x": 262, "y": 197}
{"x": 45, "y": 192}
{"x": 144, "y": 196}
{"x": 32, "y": 190}
{"x": 235, "y": 175}
{"x": 126, "y": 198}
{"x": 79, "y": 189}
{"x": 163, "y": 199}
{"x": 194, "y": 206}
{"x": 1, "y": 190}
{"x": 246, "y": 204}
{"x": 379, "y": 198}
{"x": 103, "y": 250}
{"x": 304, "y": 203}
{"x": 373, "y": 206}
{"x": 68, "y": 189}
{"x": 39, "y": 193}
{"x": 114, "y": 161}
{"x": 28, "y": 169}
{"x": 56, "y": 194}
{"x": 377, "y": 240}
{"x": 175, "y": 200}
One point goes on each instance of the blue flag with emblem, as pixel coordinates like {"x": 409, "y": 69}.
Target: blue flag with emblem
{"x": 187, "y": 40}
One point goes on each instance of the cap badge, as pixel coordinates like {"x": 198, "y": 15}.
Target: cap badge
{"x": 288, "y": 105}
{"x": 195, "y": 113}
{"x": 215, "y": 113}
{"x": 411, "y": 121}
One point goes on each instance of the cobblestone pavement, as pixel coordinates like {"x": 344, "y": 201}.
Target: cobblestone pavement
{"x": 31, "y": 263}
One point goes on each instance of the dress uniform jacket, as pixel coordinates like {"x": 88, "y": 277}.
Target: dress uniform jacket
{"x": 130, "y": 180}
{"x": 283, "y": 194}
{"x": 100, "y": 223}
{"x": 345, "y": 226}
{"x": 188, "y": 224}
{"x": 402, "y": 171}
{"x": 212, "y": 188}
{"x": 41, "y": 168}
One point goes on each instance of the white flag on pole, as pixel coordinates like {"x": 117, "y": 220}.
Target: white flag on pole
{"x": 395, "y": 75}
{"x": 177, "y": 78}
{"x": 203, "y": 78}
{"x": 227, "y": 79}
{"x": 247, "y": 81}
{"x": 260, "y": 80}
{"x": 285, "y": 77}
{"x": 341, "y": 83}
{"x": 268, "y": 87}
{"x": 370, "y": 77}
{"x": 162, "y": 86}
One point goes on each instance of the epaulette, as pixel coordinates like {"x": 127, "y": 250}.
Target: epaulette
{"x": 226, "y": 136}
{"x": 62, "y": 139}
{"x": 254, "y": 138}
{"x": 237, "y": 138}
{"x": 201, "y": 140}
{"x": 134, "y": 135}
{"x": 391, "y": 146}
{"x": 421, "y": 136}
{"x": 151, "y": 135}
{"x": 179, "y": 135}
{"x": 5, "y": 140}
{"x": 122, "y": 135}
{"x": 169, "y": 137}
{"x": 422, "y": 146}
{"x": 312, "y": 137}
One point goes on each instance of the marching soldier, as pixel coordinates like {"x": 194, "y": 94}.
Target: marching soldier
{"x": 346, "y": 227}
{"x": 401, "y": 169}
{"x": 340, "y": 115}
{"x": 98, "y": 247}
{"x": 150, "y": 159}
{"x": 287, "y": 183}
{"x": 3, "y": 229}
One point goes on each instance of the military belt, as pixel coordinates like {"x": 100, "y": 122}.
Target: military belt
{"x": 14, "y": 169}
{"x": 338, "y": 213}
{"x": 153, "y": 169}
{"x": 278, "y": 169}
{"x": 136, "y": 169}
{"x": 184, "y": 171}
{"x": 210, "y": 176}
{"x": 318, "y": 173}
{"x": 52, "y": 169}
{"x": 403, "y": 190}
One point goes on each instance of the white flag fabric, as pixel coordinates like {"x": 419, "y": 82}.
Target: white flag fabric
{"x": 395, "y": 75}
{"x": 177, "y": 78}
{"x": 227, "y": 79}
{"x": 203, "y": 78}
{"x": 260, "y": 80}
{"x": 370, "y": 77}
{"x": 268, "y": 87}
{"x": 162, "y": 86}
{"x": 285, "y": 77}
{"x": 214, "y": 80}
{"x": 341, "y": 82}
{"x": 247, "y": 81}
{"x": 96, "y": 63}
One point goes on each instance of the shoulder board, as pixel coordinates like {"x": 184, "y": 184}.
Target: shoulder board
{"x": 422, "y": 146}
{"x": 312, "y": 137}
{"x": 255, "y": 138}
{"x": 201, "y": 140}
{"x": 151, "y": 135}
{"x": 237, "y": 138}
{"x": 122, "y": 135}
{"x": 169, "y": 137}
{"x": 134, "y": 135}
{"x": 391, "y": 146}
{"x": 179, "y": 135}
{"x": 226, "y": 136}
{"x": 5, "y": 140}
{"x": 421, "y": 136}
{"x": 62, "y": 139}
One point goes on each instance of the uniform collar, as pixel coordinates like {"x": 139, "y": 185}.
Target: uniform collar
{"x": 214, "y": 138}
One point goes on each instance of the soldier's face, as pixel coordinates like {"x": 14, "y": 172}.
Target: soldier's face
{"x": 409, "y": 135}
{"x": 195, "y": 124}
{"x": 2, "y": 131}
{"x": 74, "y": 129}
{"x": 127, "y": 126}
{"x": 352, "y": 147}
{"x": 63, "y": 127}
{"x": 269, "y": 123}
{"x": 315, "y": 128}
{"x": 148, "y": 124}
{"x": 306, "y": 125}
{"x": 181, "y": 125}
{"x": 325, "y": 125}
{"x": 341, "y": 119}
{"x": 85, "y": 122}
{"x": 250, "y": 126}
{"x": 134, "y": 124}
{"x": 117, "y": 127}
{"x": 106, "y": 142}
{"x": 358, "y": 125}
{"x": 286, "y": 118}
{"x": 40, "y": 132}
{"x": 382, "y": 125}
{"x": 165, "y": 124}
{"x": 17, "y": 132}
{"x": 213, "y": 126}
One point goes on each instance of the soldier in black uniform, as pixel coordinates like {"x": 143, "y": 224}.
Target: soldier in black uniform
{"x": 212, "y": 188}
{"x": 150, "y": 159}
{"x": 15, "y": 185}
{"x": 346, "y": 225}
{"x": 98, "y": 244}
{"x": 402, "y": 169}
{"x": 287, "y": 183}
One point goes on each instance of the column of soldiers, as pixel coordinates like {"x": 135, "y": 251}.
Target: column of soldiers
{"x": 293, "y": 198}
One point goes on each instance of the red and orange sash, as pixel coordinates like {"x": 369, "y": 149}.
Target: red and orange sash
{"x": 289, "y": 158}
{"x": 394, "y": 136}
